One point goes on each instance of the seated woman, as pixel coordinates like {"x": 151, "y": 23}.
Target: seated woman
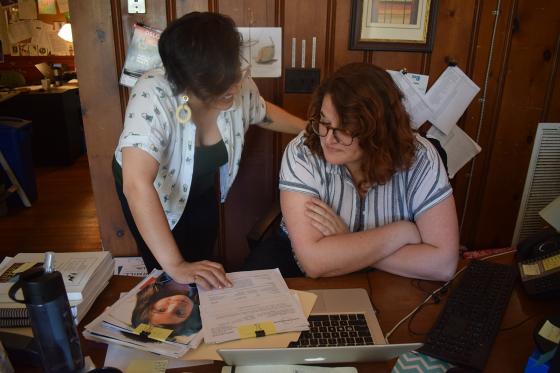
{"x": 359, "y": 189}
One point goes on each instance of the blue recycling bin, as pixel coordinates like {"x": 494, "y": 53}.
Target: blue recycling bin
{"x": 15, "y": 144}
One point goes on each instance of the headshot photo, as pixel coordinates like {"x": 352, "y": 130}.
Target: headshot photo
{"x": 163, "y": 303}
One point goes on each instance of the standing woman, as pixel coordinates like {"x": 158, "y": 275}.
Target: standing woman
{"x": 184, "y": 124}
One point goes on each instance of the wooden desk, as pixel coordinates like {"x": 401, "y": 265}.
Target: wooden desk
{"x": 394, "y": 297}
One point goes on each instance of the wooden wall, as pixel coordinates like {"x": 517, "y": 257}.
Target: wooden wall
{"x": 509, "y": 48}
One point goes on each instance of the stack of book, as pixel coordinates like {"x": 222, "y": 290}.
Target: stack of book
{"x": 85, "y": 275}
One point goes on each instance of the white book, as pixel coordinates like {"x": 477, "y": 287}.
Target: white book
{"x": 78, "y": 269}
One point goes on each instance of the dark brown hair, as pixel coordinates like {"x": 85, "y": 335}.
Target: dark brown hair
{"x": 200, "y": 53}
{"x": 150, "y": 294}
{"x": 369, "y": 105}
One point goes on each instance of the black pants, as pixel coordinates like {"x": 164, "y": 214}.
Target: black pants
{"x": 195, "y": 232}
{"x": 274, "y": 252}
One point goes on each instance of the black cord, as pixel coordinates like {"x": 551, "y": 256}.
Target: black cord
{"x": 409, "y": 324}
{"x": 416, "y": 284}
{"x": 436, "y": 299}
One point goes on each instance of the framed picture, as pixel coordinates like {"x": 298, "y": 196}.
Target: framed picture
{"x": 393, "y": 25}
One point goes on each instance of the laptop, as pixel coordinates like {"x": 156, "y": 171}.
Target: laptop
{"x": 348, "y": 308}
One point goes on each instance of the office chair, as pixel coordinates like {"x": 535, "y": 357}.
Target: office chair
{"x": 11, "y": 79}
{"x": 269, "y": 223}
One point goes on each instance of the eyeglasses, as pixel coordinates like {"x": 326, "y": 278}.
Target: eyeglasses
{"x": 341, "y": 135}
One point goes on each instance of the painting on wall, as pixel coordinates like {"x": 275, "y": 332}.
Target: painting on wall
{"x": 262, "y": 51}
{"x": 393, "y": 25}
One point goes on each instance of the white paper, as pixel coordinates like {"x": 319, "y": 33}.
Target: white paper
{"x": 130, "y": 266}
{"x": 449, "y": 97}
{"x": 40, "y": 43}
{"x": 414, "y": 103}
{"x": 98, "y": 332}
{"x": 419, "y": 81}
{"x": 59, "y": 46}
{"x": 120, "y": 357}
{"x": 19, "y": 31}
{"x": 460, "y": 148}
{"x": 256, "y": 297}
{"x": 262, "y": 49}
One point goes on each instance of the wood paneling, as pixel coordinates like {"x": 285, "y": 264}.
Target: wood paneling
{"x": 529, "y": 69}
{"x": 102, "y": 114}
{"x": 512, "y": 54}
{"x": 488, "y": 71}
{"x": 183, "y": 7}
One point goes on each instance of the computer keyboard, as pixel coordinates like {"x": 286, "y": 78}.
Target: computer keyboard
{"x": 466, "y": 328}
{"x": 335, "y": 330}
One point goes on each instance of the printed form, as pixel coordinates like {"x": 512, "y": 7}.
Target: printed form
{"x": 449, "y": 97}
{"x": 414, "y": 103}
{"x": 258, "y": 304}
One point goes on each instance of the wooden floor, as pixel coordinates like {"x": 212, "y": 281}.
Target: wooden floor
{"x": 63, "y": 217}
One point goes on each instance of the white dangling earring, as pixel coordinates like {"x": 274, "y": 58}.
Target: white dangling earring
{"x": 183, "y": 113}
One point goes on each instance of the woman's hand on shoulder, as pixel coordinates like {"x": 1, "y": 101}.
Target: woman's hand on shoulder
{"x": 323, "y": 218}
{"x": 207, "y": 274}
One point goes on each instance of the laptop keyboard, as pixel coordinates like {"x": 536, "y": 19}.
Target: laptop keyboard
{"x": 335, "y": 330}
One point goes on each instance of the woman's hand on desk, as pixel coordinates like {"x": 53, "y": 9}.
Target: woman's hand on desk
{"x": 206, "y": 274}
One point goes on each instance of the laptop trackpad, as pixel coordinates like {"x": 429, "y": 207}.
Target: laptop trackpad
{"x": 341, "y": 301}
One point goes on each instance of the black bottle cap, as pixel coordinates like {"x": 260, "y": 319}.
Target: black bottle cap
{"x": 40, "y": 287}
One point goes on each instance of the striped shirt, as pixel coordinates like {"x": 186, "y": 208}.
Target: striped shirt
{"x": 405, "y": 196}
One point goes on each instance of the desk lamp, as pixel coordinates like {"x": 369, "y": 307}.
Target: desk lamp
{"x": 45, "y": 69}
{"x": 65, "y": 32}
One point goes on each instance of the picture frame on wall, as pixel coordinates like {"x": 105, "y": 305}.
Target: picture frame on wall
{"x": 393, "y": 25}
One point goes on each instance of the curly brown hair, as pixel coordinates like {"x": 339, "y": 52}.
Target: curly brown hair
{"x": 369, "y": 105}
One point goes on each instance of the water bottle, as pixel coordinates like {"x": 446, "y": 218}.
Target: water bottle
{"x": 53, "y": 327}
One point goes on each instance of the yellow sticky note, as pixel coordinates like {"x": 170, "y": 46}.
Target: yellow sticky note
{"x": 24, "y": 267}
{"x": 551, "y": 263}
{"x": 147, "y": 366}
{"x": 531, "y": 269}
{"x": 256, "y": 330}
{"x": 550, "y": 331}
{"x": 154, "y": 332}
